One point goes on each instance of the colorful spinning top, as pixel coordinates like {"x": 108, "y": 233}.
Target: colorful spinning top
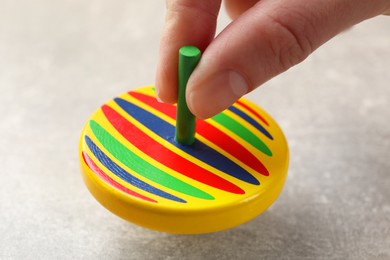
{"x": 217, "y": 175}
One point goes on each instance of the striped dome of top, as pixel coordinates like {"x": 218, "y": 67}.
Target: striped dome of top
{"x": 128, "y": 148}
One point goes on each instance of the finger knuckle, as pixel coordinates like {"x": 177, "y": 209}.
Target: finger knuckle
{"x": 294, "y": 38}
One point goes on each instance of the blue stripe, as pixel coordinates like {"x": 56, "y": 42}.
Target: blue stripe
{"x": 124, "y": 175}
{"x": 251, "y": 121}
{"x": 198, "y": 150}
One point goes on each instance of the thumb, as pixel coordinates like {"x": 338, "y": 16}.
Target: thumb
{"x": 269, "y": 38}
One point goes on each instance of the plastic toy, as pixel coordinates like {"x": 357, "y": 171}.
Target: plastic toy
{"x": 223, "y": 174}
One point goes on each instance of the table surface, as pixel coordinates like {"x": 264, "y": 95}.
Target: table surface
{"x": 59, "y": 60}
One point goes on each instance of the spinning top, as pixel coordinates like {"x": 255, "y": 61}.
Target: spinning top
{"x": 142, "y": 165}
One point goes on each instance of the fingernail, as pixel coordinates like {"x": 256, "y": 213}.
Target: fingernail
{"x": 158, "y": 95}
{"x": 216, "y": 93}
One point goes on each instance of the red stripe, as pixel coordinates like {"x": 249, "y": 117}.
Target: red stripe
{"x": 253, "y": 112}
{"x": 211, "y": 133}
{"x": 88, "y": 161}
{"x": 165, "y": 156}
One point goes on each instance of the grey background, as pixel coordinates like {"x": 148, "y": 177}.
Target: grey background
{"x": 60, "y": 60}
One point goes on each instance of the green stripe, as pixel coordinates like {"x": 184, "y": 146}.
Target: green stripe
{"x": 242, "y": 132}
{"x": 142, "y": 167}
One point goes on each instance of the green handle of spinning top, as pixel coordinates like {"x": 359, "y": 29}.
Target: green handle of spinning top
{"x": 189, "y": 57}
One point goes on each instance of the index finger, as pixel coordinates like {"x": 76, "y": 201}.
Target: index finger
{"x": 187, "y": 22}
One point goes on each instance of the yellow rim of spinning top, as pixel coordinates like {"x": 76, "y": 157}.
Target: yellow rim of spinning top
{"x": 133, "y": 166}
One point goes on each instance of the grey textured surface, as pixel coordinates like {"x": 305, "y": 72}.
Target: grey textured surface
{"x": 59, "y": 60}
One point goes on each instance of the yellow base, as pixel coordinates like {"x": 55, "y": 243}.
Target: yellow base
{"x": 113, "y": 166}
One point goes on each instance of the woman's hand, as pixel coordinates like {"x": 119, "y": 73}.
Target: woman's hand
{"x": 266, "y": 38}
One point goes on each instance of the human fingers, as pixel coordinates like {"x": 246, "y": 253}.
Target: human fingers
{"x": 187, "y": 22}
{"x": 271, "y": 37}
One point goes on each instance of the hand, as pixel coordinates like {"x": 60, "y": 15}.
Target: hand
{"x": 266, "y": 38}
